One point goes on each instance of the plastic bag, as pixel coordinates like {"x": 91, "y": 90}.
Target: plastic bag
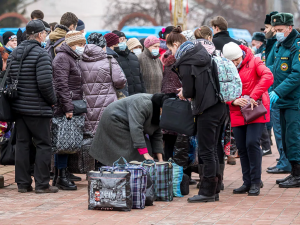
{"x": 193, "y": 151}
{"x": 181, "y": 151}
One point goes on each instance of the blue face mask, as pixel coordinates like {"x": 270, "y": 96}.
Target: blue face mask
{"x": 254, "y": 48}
{"x": 155, "y": 52}
{"x": 122, "y": 46}
{"x": 43, "y": 44}
{"x": 79, "y": 50}
{"x": 280, "y": 36}
{"x": 238, "y": 66}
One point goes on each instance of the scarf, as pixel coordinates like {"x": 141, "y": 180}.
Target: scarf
{"x": 184, "y": 48}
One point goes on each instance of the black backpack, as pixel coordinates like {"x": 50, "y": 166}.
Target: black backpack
{"x": 50, "y": 48}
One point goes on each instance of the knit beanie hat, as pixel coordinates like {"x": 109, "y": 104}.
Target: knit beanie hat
{"x": 151, "y": 40}
{"x": 97, "y": 39}
{"x": 111, "y": 39}
{"x": 258, "y": 36}
{"x": 80, "y": 25}
{"x": 232, "y": 51}
{"x": 7, "y": 36}
{"x": 132, "y": 43}
{"x": 189, "y": 35}
{"x": 74, "y": 38}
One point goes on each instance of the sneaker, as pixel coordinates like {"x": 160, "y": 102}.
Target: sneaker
{"x": 50, "y": 189}
{"x": 24, "y": 190}
{"x": 267, "y": 152}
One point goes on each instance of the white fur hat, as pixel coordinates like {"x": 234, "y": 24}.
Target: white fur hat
{"x": 232, "y": 51}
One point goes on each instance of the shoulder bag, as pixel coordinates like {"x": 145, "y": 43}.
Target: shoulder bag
{"x": 251, "y": 115}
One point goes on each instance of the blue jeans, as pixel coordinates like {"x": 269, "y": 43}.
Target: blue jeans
{"x": 61, "y": 161}
{"x": 283, "y": 162}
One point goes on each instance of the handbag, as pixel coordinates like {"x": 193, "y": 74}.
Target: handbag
{"x": 79, "y": 107}
{"x": 7, "y": 150}
{"x": 251, "y": 115}
{"x": 109, "y": 190}
{"x": 120, "y": 94}
{"x": 177, "y": 116}
{"x": 5, "y": 107}
{"x": 67, "y": 135}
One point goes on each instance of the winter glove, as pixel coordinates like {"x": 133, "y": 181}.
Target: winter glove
{"x": 273, "y": 98}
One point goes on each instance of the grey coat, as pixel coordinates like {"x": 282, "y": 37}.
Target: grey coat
{"x": 152, "y": 70}
{"x": 122, "y": 131}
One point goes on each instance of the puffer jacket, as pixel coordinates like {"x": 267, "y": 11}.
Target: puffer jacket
{"x": 256, "y": 79}
{"x": 35, "y": 85}
{"x": 170, "y": 81}
{"x": 67, "y": 79}
{"x": 131, "y": 67}
{"x": 98, "y": 85}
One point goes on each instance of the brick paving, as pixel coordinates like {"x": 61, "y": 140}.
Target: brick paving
{"x": 273, "y": 206}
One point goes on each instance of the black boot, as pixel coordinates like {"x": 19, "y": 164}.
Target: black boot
{"x": 71, "y": 176}
{"x": 241, "y": 190}
{"x": 254, "y": 190}
{"x": 63, "y": 182}
{"x": 207, "y": 192}
{"x": 294, "y": 181}
{"x": 222, "y": 168}
{"x": 55, "y": 176}
{"x": 200, "y": 171}
{"x": 278, "y": 181}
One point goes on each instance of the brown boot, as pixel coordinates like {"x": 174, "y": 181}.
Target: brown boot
{"x": 1, "y": 181}
{"x": 231, "y": 160}
{"x": 50, "y": 189}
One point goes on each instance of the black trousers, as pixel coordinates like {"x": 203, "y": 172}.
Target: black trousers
{"x": 247, "y": 141}
{"x": 265, "y": 139}
{"x": 36, "y": 129}
{"x": 209, "y": 126}
{"x": 170, "y": 141}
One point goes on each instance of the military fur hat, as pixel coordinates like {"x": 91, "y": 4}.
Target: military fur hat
{"x": 286, "y": 19}
{"x": 258, "y": 36}
{"x": 268, "y": 17}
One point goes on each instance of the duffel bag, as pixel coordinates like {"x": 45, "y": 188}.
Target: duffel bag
{"x": 109, "y": 190}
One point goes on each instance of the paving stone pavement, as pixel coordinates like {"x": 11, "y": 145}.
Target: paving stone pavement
{"x": 273, "y": 206}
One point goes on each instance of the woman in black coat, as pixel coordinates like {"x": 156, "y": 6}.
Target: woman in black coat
{"x": 131, "y": 68}
{"x": 193, "y": 64}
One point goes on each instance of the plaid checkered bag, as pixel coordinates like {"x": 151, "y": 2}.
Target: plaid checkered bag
{"x": 162, "y": 177}
{"x": 138, "y": 182}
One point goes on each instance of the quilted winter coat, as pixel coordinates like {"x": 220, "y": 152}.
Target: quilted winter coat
{"x": 98, "y": 85}
{"x": 67, "y": 79}
{"x": 256, "y": 79}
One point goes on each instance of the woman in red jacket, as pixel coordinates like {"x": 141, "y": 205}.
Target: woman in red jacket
{"x": 256, "y": 79}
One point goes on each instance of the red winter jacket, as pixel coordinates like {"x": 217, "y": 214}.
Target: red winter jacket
{"x": 256, "y": 79}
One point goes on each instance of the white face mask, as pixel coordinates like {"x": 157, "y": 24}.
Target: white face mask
{"x": 137, "y": 51}
{"x": 79, "y": 50}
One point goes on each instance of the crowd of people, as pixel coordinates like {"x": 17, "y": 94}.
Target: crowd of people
{"x": 125, "y": 84}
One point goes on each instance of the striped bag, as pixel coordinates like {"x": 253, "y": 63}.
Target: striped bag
{"x": 177, "y": 178}
{"x": 162, "y": 176}
{"x": 138, "y": 182}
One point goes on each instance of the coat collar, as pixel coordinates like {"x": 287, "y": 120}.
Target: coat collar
{"x": 224, "y": 33}
{"x": 289, "y": 41}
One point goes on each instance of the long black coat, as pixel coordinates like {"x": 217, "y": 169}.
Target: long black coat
{"x": 36, "y": 94}
{"x": 131, "y": 67}
{"x": 222, "y": 38}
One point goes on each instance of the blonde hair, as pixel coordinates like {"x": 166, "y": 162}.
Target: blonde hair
{"x": 204, "y": 32}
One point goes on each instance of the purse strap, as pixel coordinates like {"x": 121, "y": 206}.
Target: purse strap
{"x": 5, "y": 75}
